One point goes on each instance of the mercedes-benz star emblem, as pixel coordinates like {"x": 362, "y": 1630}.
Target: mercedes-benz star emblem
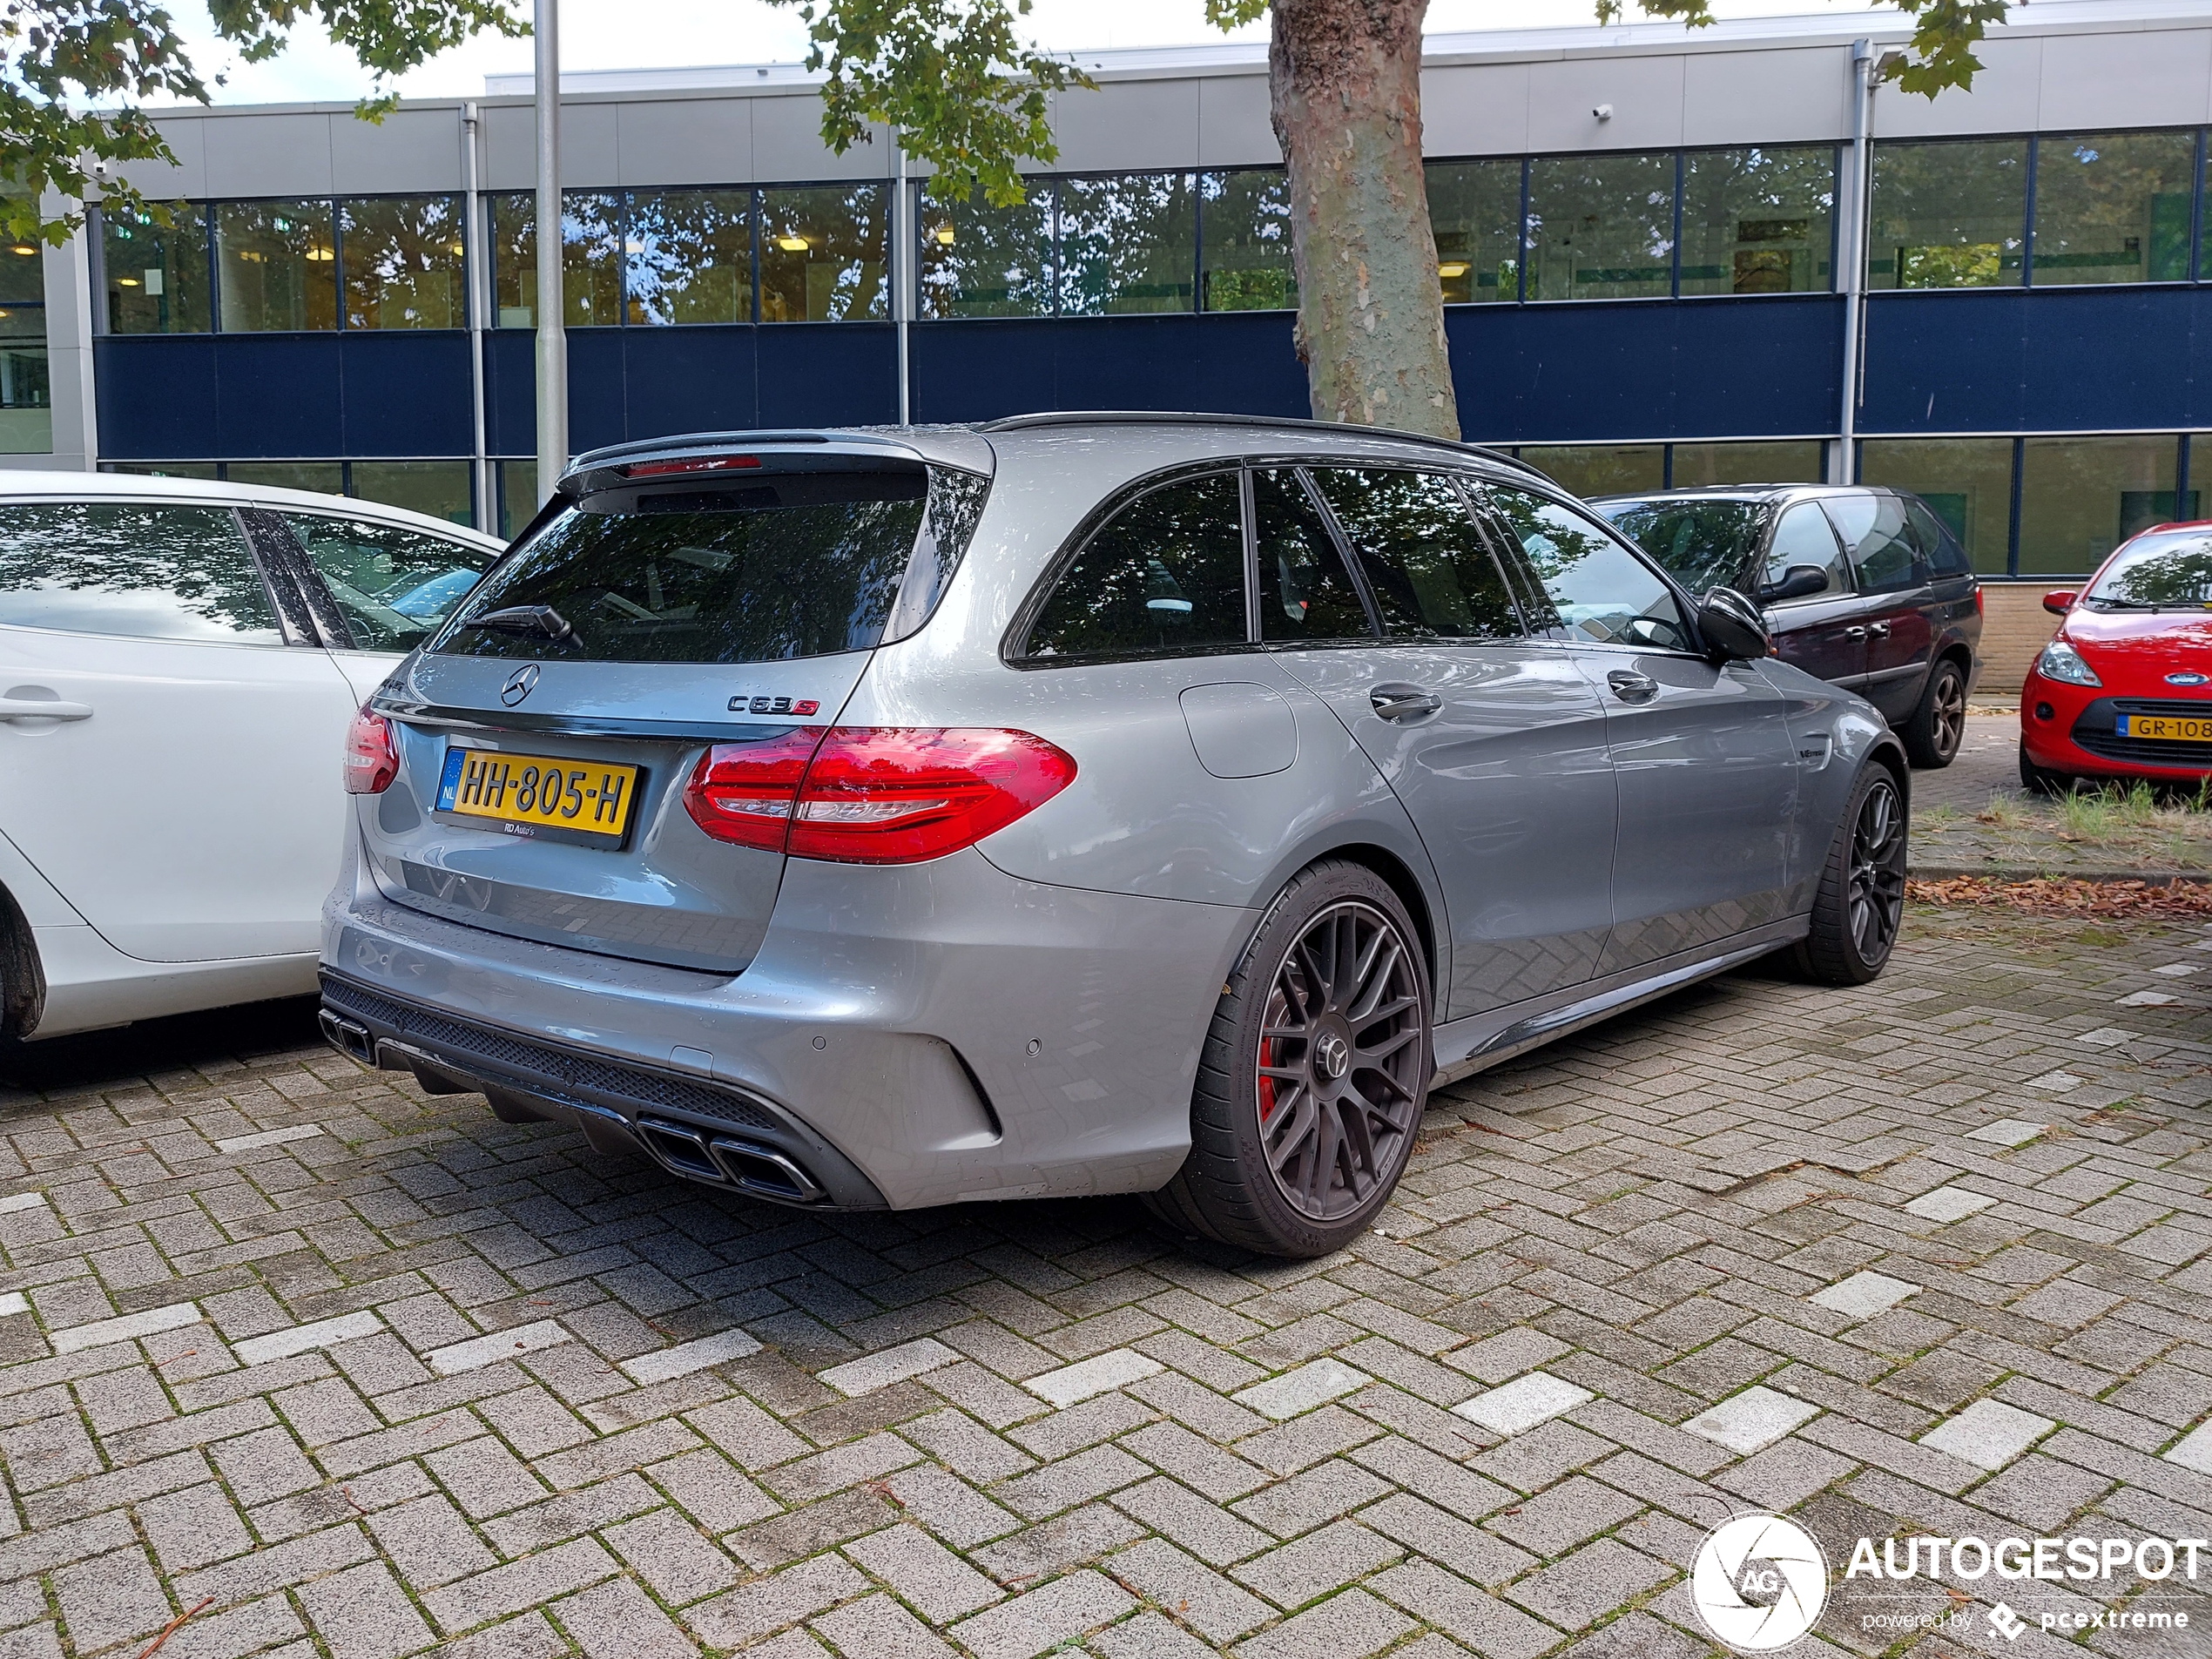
{"x": 519, "y": 685}
{"x": 1334, "y": 1055}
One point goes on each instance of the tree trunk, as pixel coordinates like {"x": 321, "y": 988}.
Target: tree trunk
{"x": 1346, "y": 79}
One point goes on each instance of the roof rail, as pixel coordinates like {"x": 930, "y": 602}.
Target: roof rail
{"x": 1173, "y": 417}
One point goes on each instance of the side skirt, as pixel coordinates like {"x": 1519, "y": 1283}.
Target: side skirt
{"x": 1464, "y": 1046}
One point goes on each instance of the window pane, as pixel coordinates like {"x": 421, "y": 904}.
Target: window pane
{"x": 517, "y": 489}
{"x": 26, "y": 398}
{"x": 1938, "y": 546}
{"x": 1601, "y": 228}
{"x": 1758, "y": 221}
{"x": 1248, "y": 242}
{"x": 1602, "y": 591}
{"x": 590, "y": 259}
{"x": 156, "y": 274}
{"x": 2082, "y": 498}
{"x": 1968, "y": 482}
{"x": 1475, "y": 210}
{"x": 1431, "y": 574}
{"x": 1804, "y": 539}
{"x": 1127, "y": 243}
{"x": 438, "y": 488}
{"x": 402, "y": 259}
{"x": 1602, "y": 469}
{"x": 978, "y": 261}
{"x": 1795, "y": 462}
{"x": 22, "y": 274}
{"x": 147, "y": 572}
{"x": 328, "y": 477}
{"x": 1305, "y": 596}
{"x": 395, "y": 586}
{"x": 1950, "y": 215}
{"x": 206, "y": 469}
{"x": 822, "y": 254}
{"x": 1883, "y": 551}
{"x": 277, "y": 266}
{"x": 2114, "y": 207}
{"x": 1701, "y": 544}
{"x": 689, "y": 256}
{"x": 1165, "y": 573}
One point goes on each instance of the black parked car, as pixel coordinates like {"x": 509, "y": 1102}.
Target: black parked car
{"x": 1865, "y": 587}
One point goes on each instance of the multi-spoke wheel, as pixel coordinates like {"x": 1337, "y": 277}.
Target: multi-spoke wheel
{"x": 1315, "y": 1072}
{"x": 1939, "y": 725}
{"x": 1860, "y": 904}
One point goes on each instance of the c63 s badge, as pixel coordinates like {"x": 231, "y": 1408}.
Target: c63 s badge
{"x": 802, "y": 707}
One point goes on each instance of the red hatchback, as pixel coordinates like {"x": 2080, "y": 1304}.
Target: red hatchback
{"x": 2125, "y": 689}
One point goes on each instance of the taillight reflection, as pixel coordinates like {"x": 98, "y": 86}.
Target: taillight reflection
{"x": 873, "y": 794}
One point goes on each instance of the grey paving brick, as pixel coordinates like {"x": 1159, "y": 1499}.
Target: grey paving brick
{"x": 618, "y": 1621}
{"x": 925, "y": 1575}
{"x": 1044, "y": 1617}
{"x": 110, "y": 1599}
{"x": 1312, "y": 1566}
{"x": 1452, "y": 1605}
{"x": 483, "y": 1596}
{"x": 776, "y": 1602}
{"x": 1349, "y": 1626}
{"x": 1198, "y": 1596}
{"x": 429, "y": 1542}
{"x": 667, "y": 1552}
{"x": 1579, "y": 1588}
{"x": 363, "y": 1614}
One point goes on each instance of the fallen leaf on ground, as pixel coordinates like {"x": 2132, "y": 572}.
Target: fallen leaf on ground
{"x": 2062, "y": 896}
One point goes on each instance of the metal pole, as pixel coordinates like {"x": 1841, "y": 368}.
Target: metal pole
{"x": 552, "y": 341}
{"x": 1851, "y": 258}
{"x": 903, "y": 244}
{"x": 479, "y": 294}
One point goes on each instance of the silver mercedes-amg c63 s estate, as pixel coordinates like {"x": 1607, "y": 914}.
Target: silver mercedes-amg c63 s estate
{"x": 1077, "y": 803}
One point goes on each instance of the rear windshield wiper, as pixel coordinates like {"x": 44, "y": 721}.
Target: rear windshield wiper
{"x": 541, "y": 620}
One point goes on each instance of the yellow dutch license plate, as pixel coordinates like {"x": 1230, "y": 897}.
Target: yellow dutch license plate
{"x": 2166, "y": 728}
{"x": 527, "y": 794}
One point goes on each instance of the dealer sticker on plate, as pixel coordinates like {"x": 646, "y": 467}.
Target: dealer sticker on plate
{"x": 524, "y": 794}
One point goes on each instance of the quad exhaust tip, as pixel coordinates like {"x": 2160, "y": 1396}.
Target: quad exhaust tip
{"x": 759, "y": 1170}
{"x": 349, "y": 1037}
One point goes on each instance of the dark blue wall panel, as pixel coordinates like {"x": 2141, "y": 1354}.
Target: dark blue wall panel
{"x": 403, "y": 393}
{"x": 156, "y": 396}
{"x": 1233, "y": 362}
{"x": 2053, "y": 359}
{"x": 821, "y": 374}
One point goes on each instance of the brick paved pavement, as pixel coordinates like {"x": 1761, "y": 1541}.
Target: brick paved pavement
{"x": 358, "y": 1372}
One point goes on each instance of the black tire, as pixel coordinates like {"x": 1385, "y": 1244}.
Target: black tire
{"x": 2041, "y": 780}
{"x": 1939, "y": 725}
{"x": 1298, "y": 1161}
{"x": 1860, "y": 904}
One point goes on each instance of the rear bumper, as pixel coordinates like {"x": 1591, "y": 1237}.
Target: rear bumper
{"x": 905, "y": 1036}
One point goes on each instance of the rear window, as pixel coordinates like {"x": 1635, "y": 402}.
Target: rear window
{"x": 781, "y": 564}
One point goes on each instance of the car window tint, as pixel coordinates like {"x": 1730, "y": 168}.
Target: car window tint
{"x": 1873, "y": 529}
{"x": 1601, "y": 589}
{"x": 396, "y": 586}
{"x": 1305, "y": 592}
{"x": 1703, "y": 544}
{"x": 1165, "y": 574}
{"x": 1802, "y": 538}
{"x": 147, "y": 571}
{"x": 1426, "y": 566}
{"x": 1938, "y": 546}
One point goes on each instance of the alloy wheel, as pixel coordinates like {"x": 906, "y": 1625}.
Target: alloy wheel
{"x": 1876, "y": 896}
{"x": 1949, "y": 713}
{"x": 1341, "y": 1044}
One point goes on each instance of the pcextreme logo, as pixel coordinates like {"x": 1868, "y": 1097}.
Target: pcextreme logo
{"x": 1759, "y": 1582}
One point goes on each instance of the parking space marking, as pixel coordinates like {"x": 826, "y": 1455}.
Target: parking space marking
{"x": 1523, "y": 1403}
{"x": 298, "y": 1339}
{"x": 458, "y": 1357}
{"x": 269, "y": 1138}
{"x": 665, "y": 1364}
{"x": 1988, "y": 1434}
{"x": 125, "y": 1327}
{"x": 1102, "y": 1373}
{"x": 1752, "y": 1420}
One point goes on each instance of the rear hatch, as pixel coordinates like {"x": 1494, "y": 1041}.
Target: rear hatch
{"x": 670, "y": 601}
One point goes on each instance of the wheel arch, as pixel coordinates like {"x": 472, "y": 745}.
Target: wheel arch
{"x": 23, "y": 979}
{"x": 1391, "y": 865}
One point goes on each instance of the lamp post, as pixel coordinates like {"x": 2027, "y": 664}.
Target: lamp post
{"x": 552, "y": 340}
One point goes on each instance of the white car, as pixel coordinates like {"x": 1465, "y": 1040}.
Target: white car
{"x": 179, "y": 662}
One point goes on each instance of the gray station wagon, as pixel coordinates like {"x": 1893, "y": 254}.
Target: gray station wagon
{"x": 1077, "y": 803}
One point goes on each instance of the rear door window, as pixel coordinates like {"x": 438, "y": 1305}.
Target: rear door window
{"x": 1938, "y": 546}
{"x": 1873, "y": 529}
{"x": 1163, "y": 576}
{"x": 1803, "y": 538}
{"x": 1306, "y": 596}
{"x": 779, "y": 565}
{"x": 144, "y": 571}
{"x": 1428, "y": 567}
{"x": 1604, "y": 593}
{"x": 395, "y": 586}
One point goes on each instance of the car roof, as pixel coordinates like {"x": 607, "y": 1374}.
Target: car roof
{"x": 1742, "y": 492}
{"x": 27, "y": 485}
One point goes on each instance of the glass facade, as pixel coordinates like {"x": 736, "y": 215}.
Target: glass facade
{"x": 2082, "y": 498}
{"x": 1246, "y": 243}
{"x": 156, "y": 274}
{"x": 401, "y": 261}
{"x": 1127, "y": 243}
{"x": 2114, "y": 207}
{"x": 1794, "y": 462}
{"x": 1474, "y": 213}
{"x": 687, "y": 256}
{"x": 1600, "y": 468}
{"x": 1968, "y": 481}
{"x": 1601, "y": 228}
{"x": 26, "y": 397}
{"x": 591, "y": 255}
{"x": 276, "y": 266}
{"x": 823, "y": 254}
{"x": 1948, "y": 214}
{"x": 1758, "y": 221}
{"x": 978, "y": 261}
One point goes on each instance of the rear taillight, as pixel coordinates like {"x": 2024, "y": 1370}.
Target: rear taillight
{"x": 1979, "y": 601}
{"x": 744, "y": 792}
{"x": 874, "y": 794}
{"x": 372, "y": 757}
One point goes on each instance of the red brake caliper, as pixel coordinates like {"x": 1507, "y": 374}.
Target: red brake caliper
{"x": 1266, "y": 1083}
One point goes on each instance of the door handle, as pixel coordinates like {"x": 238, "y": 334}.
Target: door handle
{"x": 1854, "y": 632}
{"x": 1403, "y": 702}
{"x": 1631, "y": 687}
{"x": 32, "y": 708}
{"x": 1880, "y": 630}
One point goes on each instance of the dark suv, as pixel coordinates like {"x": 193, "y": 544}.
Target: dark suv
{"x": 1866, "y": 587}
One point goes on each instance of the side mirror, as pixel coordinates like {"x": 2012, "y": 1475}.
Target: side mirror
{"x": 1733, "y": 629}
{"x": 2059, "y": 603}
{"x": 1798, "y": 582}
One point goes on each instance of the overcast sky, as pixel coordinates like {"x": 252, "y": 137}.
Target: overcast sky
{"x": 641, "y": 34}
